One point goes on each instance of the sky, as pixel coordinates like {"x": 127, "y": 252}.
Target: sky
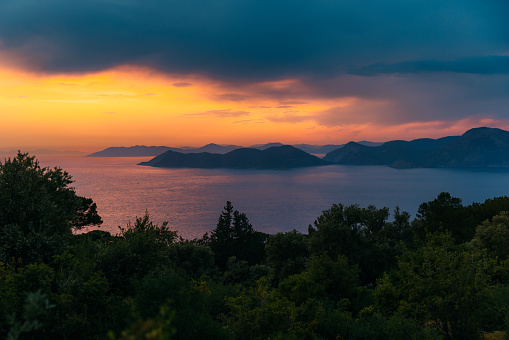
{"x": 86, "y": 75}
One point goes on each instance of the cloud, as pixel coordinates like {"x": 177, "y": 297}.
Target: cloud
{"x": 485, "y": 65}
{"x": 182, "y": 84}
{"x": 289, "y": 118}
{"x": 220, "y": 113}
{"x": 234, "y": 97}
{"x": 249, "y": 121}
{"x": 292, "y": 103}
{"x": 404, "y": 61}
{"x": 296, "y": 38}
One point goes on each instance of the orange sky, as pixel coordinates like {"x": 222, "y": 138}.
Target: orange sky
{"x": 128, "y": 106}
{"x": 324, "y": 72}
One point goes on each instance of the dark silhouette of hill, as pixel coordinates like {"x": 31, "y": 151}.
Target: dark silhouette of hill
{"x": 396, "y": 153}
{"x": 276, "y": 157}
{"x": 478, "y": 147}
{"x": 312, "y": 149}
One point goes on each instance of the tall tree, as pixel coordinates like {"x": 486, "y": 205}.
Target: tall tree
{"x": 38, "y": 209}
{"x": 235, "y": 236}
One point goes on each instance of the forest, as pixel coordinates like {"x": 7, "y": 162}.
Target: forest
{"x": 358, "y": 273}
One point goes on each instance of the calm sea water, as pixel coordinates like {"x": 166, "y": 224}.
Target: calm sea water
{"x": 273, "y": 200}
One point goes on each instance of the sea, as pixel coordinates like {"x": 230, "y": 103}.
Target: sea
{"x": 191, "y": 200}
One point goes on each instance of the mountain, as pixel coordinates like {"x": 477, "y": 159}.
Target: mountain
{"x": 276, "y": 157}
{"x": 312, "y": 149}
{"x": 348, "y": 151}
{"x": 132, "y": 151}
{"x": 142, "y": 150}
{"x": 478, "y": 147}
{"x": 397, "y": 153}
{"x": 264, "y": 146}
{"x": 212, "y": 148}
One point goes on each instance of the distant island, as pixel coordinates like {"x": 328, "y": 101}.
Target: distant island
{"x": 477, "y": 148}
{"x": 145, "y": 151}
{"x": 481, "y": 147}
{"x": 275, "y": 157}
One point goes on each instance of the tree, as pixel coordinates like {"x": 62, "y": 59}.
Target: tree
{"x": 140, "y": 248}
{"x": 446, "y": 212}
{"x": 362, "y": 235}
{"x": 235, "y": 236}
{"x": 494, "y": 235}
{"x": 287, "y": 254}
{"x": 38, "y": 209}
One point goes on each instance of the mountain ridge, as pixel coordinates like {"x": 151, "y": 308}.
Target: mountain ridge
{"x": 275, "y": 157}
{"x": 142, "y": 150}
{"x": 480, "y": 147}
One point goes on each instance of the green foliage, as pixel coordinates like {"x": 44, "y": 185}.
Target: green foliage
{"x": 444, "y": 212}
{"x": 38, "y": 210}
{"x": 287, "y": 254}
{"x": 195, "y": 260}
{"x": 188, "y": 298}
{"x": 324, "y": 278}
{"x": 494, "y": 235}
{"x": 146, "y": 283}
{"x": 397, "y": 327}
{"x": 35, "y": 308}
{"x": 441, "y": 284}
{"x": 160, "y": 327}
{"x": 362, "y": 235}
{"x": 139, "y": 249}
{"x": 259, "y": 312}
{"x": 15, "y": 283}
{"x": 81, "y": 293}
{"x": 448, "y": 213}
{"x": 238, "y": 271}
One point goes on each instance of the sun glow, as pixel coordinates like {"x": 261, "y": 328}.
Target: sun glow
{"x": 132, "y": 105}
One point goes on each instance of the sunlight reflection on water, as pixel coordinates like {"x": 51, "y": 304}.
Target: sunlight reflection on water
{"x": 273, "y": 200}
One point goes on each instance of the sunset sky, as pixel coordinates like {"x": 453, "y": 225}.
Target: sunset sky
{"x": 86, "y": 75}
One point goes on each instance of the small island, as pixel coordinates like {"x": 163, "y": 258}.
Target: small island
{"x": 276, "y": 157}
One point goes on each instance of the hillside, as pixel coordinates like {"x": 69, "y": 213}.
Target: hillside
{"x": 478, "y": 147}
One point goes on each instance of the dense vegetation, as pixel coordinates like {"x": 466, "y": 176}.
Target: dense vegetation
{"x": 354, "y": 275}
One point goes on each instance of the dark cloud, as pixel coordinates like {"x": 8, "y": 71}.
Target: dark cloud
{"x": 231, "y": 39}
{"x": 485, "y": 65}
{"x": 220, "y": 113}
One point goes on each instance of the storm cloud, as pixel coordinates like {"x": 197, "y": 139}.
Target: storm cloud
{"x": 410, "y": 60}
{"x": 251, "y": 39}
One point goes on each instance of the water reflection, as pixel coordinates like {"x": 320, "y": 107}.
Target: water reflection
{"x": 274, "y": 200}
